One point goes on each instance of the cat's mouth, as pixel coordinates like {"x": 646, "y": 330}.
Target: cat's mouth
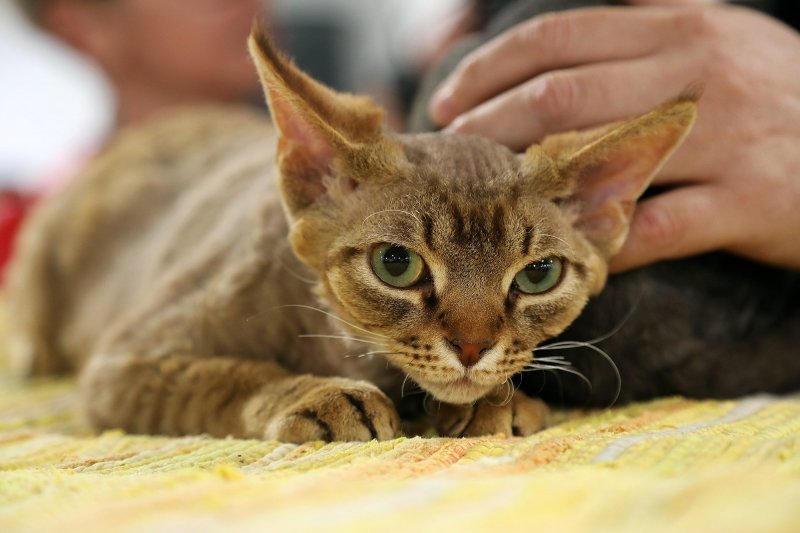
{"x": 458, "y": 391}
{"x": 453, "y": 384}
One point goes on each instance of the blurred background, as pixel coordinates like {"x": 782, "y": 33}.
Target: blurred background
{"x": 76, "y": 70}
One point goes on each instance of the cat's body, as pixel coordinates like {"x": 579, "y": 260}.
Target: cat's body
{"x": 173, "y": 249}
{"x": 165, "y": 274}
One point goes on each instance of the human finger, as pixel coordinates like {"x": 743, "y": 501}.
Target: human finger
{"x": 679, "y": 223}
{"x": 575, "y": 98}
{"x": 547, "y": 42}
{"x": 670, "y": 3}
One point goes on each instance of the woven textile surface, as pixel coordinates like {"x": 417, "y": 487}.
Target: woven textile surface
{"x": 668, "y": 465}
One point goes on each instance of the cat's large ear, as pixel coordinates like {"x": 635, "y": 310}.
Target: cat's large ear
{"x": 611, "y": 171}
{"x": 325, "y": 136}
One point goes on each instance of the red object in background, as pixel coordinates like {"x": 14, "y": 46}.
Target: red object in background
{"x": 13, "y": 208}
{"x": 15, "y": 205}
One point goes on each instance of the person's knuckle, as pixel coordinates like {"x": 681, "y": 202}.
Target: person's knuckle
{"x": 696, "y": 21}
{"x": 549, "y": 34}
{"x": 552, "y": 95}
{"x": 659, "y": 228}
{"x": 722, "y": 66}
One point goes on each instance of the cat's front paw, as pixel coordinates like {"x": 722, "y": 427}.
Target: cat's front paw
{"x": 336, "y": 409}
{"x": 519, "y": 416}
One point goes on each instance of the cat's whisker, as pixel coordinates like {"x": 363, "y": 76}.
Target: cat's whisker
{"x": 511, "y": 390}
{"x": 555, "y": 360}
{"x": 509, "y": 394}
{"x": 340, "y": 337}
{"x": 562, "y": 364}
{"x": 490, "y": 402}
{"x": 403, "y": 387}
{"x": 425, "y": 404}
{"x": 559, "y": 383}
{"x": 403, "y": 393}
{"x": 613, "y": 365}
{"x": 562, "y": 345}
{"x": 340, "y": 319}
{"x": 367, "y": 354}
{"x": 533, "y": 367}
{"x": 579, "y": 344}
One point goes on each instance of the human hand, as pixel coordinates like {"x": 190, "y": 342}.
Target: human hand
{"x": 735, "y": 182}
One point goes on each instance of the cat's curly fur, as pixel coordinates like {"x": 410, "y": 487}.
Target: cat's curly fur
{"x": 165, "y": 275}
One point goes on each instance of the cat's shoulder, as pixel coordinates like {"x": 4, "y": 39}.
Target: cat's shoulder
{"x": 185, "y": 132}
{"x": 190, "y": 125}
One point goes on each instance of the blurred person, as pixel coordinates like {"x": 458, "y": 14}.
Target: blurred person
{"x": 159, "y": 53}
{"x": 156, "y": 54}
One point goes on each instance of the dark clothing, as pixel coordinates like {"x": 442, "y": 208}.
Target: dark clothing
{"x": 785, "y": 10}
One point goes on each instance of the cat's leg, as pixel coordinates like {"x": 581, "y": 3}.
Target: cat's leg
{"x": 184, "y": 394}
{"x": 519, "y": 415}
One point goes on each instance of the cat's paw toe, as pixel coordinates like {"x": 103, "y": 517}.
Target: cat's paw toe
{"x": 349, "y": 411}
{"x": 529, "y": 415}
{"x": 519, "y": 416}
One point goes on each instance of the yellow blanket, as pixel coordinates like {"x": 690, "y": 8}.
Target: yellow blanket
{"x": 668, "y": 465}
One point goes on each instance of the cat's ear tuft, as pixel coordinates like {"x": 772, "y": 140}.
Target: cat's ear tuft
{"x": 322, "y": 132}
{"x": 611, "y": 172}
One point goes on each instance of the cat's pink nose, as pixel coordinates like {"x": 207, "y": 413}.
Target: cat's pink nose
{"x": 469, "y": 352}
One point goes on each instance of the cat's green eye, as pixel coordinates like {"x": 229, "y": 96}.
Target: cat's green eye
{"x": 397, "y": 265}
{"x": 539, "y": 276}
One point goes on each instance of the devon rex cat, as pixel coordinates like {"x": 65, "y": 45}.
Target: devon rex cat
{"x": 166, "y": 276}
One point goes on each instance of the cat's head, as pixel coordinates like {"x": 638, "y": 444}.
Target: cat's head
{"x": 454, "y": 254}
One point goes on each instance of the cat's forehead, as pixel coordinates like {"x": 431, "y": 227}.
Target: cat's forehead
{"x": 466, "y": 159}
{"x": 466, "y": 197}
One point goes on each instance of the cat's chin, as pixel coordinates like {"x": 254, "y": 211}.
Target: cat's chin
{"x": 460, "y": 391}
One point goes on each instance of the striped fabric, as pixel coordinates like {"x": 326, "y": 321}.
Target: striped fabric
{"x": 668, "y": 465}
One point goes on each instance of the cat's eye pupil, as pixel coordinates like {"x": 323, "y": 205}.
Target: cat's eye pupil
{"x": 538, "y": 271}
{"x": 396, "y": 260}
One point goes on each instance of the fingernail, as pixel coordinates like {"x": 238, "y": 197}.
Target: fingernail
{"x": 442, "y": 107}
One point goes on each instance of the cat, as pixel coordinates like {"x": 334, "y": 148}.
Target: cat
{"x": 165, "y": 274}
{"x": 714, "y": 325}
